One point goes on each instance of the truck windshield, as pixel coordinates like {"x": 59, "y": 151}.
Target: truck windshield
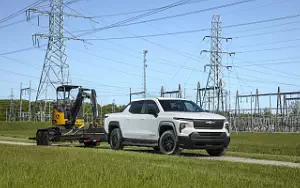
{"x": 180, "y": 106}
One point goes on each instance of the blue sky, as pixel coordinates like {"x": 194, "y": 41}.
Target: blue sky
{"x": 108, "y": 70}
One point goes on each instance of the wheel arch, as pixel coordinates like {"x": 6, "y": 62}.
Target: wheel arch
{"x": 111, "y": 126}
{"x": 165, "y": 126}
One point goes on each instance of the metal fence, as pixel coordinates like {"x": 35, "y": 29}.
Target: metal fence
{"x": 266, "y": 124}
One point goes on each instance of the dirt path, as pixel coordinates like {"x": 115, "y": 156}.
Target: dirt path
{"x": 254, "y": 161}
{"x": 223, "y": 158}
{"x": 17, "y": 143}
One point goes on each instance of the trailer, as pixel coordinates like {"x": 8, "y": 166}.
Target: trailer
{"x": 67, "y": 125}
{"x": 90, "y": 137}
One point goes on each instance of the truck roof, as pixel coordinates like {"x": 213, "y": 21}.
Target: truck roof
{"x": 159, "y": 98}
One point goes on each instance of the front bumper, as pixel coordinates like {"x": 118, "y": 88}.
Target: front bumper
{"x": 203, "y": 140}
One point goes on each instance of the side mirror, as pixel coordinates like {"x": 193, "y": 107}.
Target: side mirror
{"x": 152, "y": 112}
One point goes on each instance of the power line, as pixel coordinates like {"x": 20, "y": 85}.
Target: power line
{"x": 20, "y": 11}
{"x": 270, "y": 60}
{"x": 20, "y": 74}
{"x": 204, "y": 29}
{"x": 20, "y": 62}
{"x": 277, "y": 63}
{"x": 138, "y": 11}
{"x": 119, "y": 62}
{"x": 178, "y": 3}
{"x": 271, "y": 32}
{"x": 277, "y": 42}
{"x": 14, "y": 23}
{"x": 17, "y": 51}
{"x": 267, "y": 27}
{"x": 268, "y": 49}
{"x": 279, "y": 71}
{"x": 173, "y": 16}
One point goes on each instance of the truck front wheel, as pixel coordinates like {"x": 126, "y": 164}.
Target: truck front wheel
{"x": 167, "y": 143}
{"x": 115, "y": 139}
{"x": 216, "y": 152}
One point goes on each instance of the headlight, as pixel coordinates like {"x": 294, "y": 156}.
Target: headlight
{"x": 227, "y": 127}
{"x": 181, "y": 126}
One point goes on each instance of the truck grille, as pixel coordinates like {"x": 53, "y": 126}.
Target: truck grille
{"x": 208, "y": 124}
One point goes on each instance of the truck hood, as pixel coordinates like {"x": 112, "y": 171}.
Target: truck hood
{"x": 195, "y": 115}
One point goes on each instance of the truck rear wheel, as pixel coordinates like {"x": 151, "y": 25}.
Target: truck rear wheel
{"x": 115, "y": 139}
{"x": 216, "y": 152}
{"x": 167, "y": 143}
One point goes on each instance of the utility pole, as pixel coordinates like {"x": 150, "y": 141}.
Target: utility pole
{"x": 101, "y": 113}
{"x": 29, "y": 102}
{"x": 20, "y": 113}
{"x": 145, "y": 66}
{"x": 11, "y": 105}
{"x": 6, "y": 115}
{"x": 21, "y": 101}
{"x": 198, "y": 94}
{"x": 113, "y": 106}
{"x": 177, "y": 92}
{"x": 215, "y": 84}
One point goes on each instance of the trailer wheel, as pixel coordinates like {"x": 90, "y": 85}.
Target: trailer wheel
{"x": 115, "y": 139}
{"x": 45, "y": 139}
{"x": 39, "y": 136}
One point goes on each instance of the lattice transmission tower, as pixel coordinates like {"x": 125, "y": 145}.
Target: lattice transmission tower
{"x": 55, "y": 69}
{"x": 213, "y": 93}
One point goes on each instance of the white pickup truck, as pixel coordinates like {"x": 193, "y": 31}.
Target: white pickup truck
{"x": 168, "y": 125}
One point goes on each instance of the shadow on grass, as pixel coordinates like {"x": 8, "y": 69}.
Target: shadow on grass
{"x": 150, "y": 151}
{"x": 137, "y": 150}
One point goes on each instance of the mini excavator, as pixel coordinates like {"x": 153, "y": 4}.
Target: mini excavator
{"x": 67, "y": 125}
{"x": 65, "y": 112}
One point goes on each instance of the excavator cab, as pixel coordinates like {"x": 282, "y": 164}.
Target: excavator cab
{"x": 66, "y": 111}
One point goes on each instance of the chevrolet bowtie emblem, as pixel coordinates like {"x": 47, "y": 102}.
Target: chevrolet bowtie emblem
{"x": 210, "y": 122}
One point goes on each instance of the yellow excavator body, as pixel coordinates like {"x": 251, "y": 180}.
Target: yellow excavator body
{"x": 58, "y": 118}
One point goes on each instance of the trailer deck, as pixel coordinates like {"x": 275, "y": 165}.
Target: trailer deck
{"x": 90, "y": 137}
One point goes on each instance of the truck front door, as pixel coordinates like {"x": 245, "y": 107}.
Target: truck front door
{"x": 149, "y": 124}
{"x": 133, "y": 121}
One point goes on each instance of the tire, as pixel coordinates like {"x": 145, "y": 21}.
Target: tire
{"x": 216, "y": 152}
{"x": 167, "y": 143}
{"x": 115, "y": 139}
{"x": 39, "y": 137}
{"x": 45, "y": 139}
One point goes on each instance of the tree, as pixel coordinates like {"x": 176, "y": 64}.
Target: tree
{"x": 267, "y": 112}
{"x": 295, "y": 107}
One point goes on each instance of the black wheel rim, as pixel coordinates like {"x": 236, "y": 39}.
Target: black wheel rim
{"x": 168, "y": 143}
{"x": 114, "y": 140}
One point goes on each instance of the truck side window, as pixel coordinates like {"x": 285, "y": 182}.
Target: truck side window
{"x": 136, "y": 107}
{"x": 151, "y": 105}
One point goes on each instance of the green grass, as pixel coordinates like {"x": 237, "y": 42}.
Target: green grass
{"x": 22, "y": 130}
{"x": 33, "y": 166}
{"x": 266, "y": 143}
